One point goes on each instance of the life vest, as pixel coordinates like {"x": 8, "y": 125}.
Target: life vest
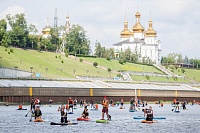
{"x": 67, "y": 106}
{"x": 20, "y": 106}
{"x": 96, "y": 106}
{"x": 104, "y": 103}
{"x": 70, "y": 101}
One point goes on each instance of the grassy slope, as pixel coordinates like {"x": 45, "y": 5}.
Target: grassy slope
{"x": 114, "y": 65}
{"x": 25, "y": 59}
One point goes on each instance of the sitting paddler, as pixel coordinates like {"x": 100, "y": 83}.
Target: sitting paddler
{"x": 148, "y": 113}
{"x": 63, "y": 116}
{"x": 85, "y": 113}
{"x": 38, "y": 112}
{"x": 20, "y": 107}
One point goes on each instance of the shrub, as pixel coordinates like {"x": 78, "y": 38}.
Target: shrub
{"x": 109, "y": 69}
{"x": 95, "y": 64}
{"x": 59, "y": 57}
{"x": 121, "y": 61}
{"x": 147, "y": 77}
{"x": 11, "y": 50}
{"x": 108, "y": 58}
{"x": 62, "y": 61}
{"x": 6, "y": 49}
{"x": 56, "y": 56}
{"x": 183, "y": 70}
{"x": 81, "y": 60}
{"x": 66, "y": 54}
{"x": 119, "y": 75}
{"x": 8, "y": 52}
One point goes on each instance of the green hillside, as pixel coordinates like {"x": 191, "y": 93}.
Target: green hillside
{"x": 50, "y": 65}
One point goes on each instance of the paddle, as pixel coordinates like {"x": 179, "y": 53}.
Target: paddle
{"x": 30, "y": 119}
{"x": 27, "y": 113}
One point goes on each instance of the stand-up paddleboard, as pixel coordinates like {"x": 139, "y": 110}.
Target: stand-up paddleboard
{"x": 145, "y": 121}
{"x": 70, "y": 113}
{"x": 54, "y": 123}
{"x": 156, "y": 118}
{"x": 94, "y": 109}
{"x": 83, "y": 119}
{"x": 102, "y": 121}
{"x": 21, "y": 109}
{"x": 176, "y": 111}
{"x": 38, "y": 120}
{"x": 132, "y": 110}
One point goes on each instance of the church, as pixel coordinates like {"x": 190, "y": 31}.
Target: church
{"x": 140, "y": 41}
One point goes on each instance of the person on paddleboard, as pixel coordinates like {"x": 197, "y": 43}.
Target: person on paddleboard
{"x": 38, "y": 112}
{"x": 81, "y": 103}
{"x": 132, "y": 104}
{"x": 75, "y": 103}
{"x": 177, "y": 105}
{"x": 85, "y": 113}
{"x": 20, "y": 106}
{"x": 105, "y": 104}
{"x": 70, "y": 102}
{"x": 63, "y": 115}
{"x": 148, "y": 113}
{"x": 32, "y": 109}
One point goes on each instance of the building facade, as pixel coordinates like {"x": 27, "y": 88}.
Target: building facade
{"x": 141, "y": 42}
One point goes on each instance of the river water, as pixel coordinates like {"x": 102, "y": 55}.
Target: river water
{"x": 187, "y": 121}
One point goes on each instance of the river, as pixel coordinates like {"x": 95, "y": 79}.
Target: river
{"x": 187, "y": 121}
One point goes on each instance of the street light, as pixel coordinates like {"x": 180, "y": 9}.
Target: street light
{"x": 46, "y": 71}
{"x": 31, "y": 71}
{"x": 1, "y": 60}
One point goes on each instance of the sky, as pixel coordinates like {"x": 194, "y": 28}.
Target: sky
{"x": 177, "y": 22}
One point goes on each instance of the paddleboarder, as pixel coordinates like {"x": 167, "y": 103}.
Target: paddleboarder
{"x": 105, "y": 104}
{"x": 38, "y": 112}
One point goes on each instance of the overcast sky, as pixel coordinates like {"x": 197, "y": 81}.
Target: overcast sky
{"x": 177, "y": 22}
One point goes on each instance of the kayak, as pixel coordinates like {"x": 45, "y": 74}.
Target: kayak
{"x": 177, "y": 111}
{"x": 70, "y": 113}
{"x": 145, "y": 121}
{"x": 38, "y": 120}
{"x": 140, "y": 117}
{"x": 54, "y": 123}
{"x": 21, "y": 109}
{"x": 132, "y": 110}
{"x": 83, "y": 119}
{"x": 102, "y": 121}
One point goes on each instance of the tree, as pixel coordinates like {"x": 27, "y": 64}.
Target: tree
{"x": 3, "y": 28}
{"x": 98, "y": 49}
{"x": 19, "y": 30}
{"x": 77, "y": 42}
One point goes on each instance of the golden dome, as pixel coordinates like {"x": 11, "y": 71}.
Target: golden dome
{"x": 137, "y": 28}
{"x": 150, "y": 32}
{"x": 125, "y": 32}
{"x": 137, "y": 15}
{"x": 46, "y": 30}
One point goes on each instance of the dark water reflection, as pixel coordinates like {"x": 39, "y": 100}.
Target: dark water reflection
{"x": 187, "y": 121}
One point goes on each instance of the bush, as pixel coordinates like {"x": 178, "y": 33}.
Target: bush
{"x": 56, "y": 56}
{"x": 59, "y": 57}
{"x": 81, "y": 60}
{"x": 95, "y": 64}
{"x": 119, "y": 75}
{"x": 183, "y": 70}
{"x": 108, "y": 58}
{"x": 62, "y": 61}
{"x": 11, "y": 50}
{"x": 109, "y": 69}
{"x": 66, "y": 54}
{"x": 8, "y": 52}
{"x": 121, "y": 61}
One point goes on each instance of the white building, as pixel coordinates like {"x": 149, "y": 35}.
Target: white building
{"x": 140, "y": 41}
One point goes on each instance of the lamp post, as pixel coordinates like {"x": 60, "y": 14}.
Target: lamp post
{"x": 1, "y": 60}
{"x": 31, "y": 71}
{"x": 46, "y": 71}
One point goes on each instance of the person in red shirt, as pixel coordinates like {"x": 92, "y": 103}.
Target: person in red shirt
{"x": 70, "y": 102}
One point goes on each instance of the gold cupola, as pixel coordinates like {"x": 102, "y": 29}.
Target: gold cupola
{"x": 125, "y": 33}
{"x": 46, "y": 30}
{"x": 137, "y": 28}
{"x": 150, "y": 31}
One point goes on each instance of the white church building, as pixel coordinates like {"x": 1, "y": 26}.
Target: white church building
{"x": 140, "y": 41}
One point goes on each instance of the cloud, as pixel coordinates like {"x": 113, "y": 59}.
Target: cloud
{"x": 13, "y": 10}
